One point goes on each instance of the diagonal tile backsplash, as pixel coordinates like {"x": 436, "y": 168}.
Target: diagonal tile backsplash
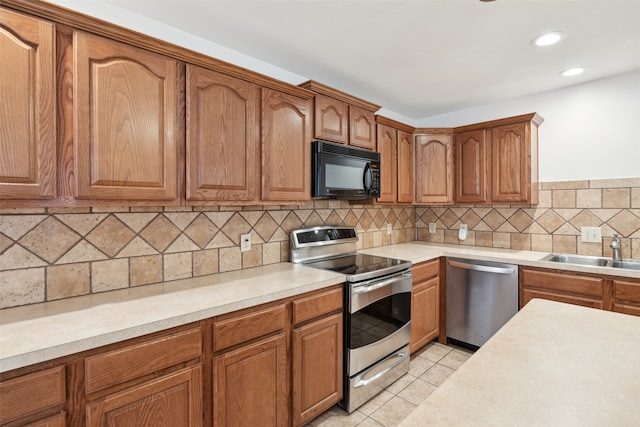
{"x": 54, "y": 253}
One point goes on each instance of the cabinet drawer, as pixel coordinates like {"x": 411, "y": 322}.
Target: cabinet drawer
{"x": 627, "y": 309}
{"x": 317, "y": 305}
{"x": 118, "y": 366}
{"x": 425, "y": 270}
{"x": 627, "y": 291}
{"x": 528, "y": 295}
{"x": 239, "y": 329}
{"x": 32, "y": 393}
{"x": 582, "y": 285}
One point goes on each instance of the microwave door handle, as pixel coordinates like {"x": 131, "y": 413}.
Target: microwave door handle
{"x": 367, "y": 174}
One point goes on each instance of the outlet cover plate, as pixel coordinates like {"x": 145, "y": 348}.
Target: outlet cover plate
{"x": 245, "y": 242}
{"x": 591, "y": 234}
{"x": 389, "y": 229}
{"x": 432, "y": 227}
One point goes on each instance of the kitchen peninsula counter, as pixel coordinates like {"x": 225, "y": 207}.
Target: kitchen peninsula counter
{"x": 552, "y": 364}
{"x": 40, "y": 332}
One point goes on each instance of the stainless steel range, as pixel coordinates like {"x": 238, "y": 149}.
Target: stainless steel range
{"x": 377, "y": 308}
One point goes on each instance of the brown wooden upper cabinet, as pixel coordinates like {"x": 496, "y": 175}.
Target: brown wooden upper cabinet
{"x": 434, "y": 166}
{"x": 395, "y": 145}
{"x": 126, "y": 127}
{"x": 286, "y": 146}
{"x": 27, "y": 111}
{"x": 342, "y": 118}
{"x": 471, "y": 159}
{"x": 223, "y": 137}
{"x": 497, "y": 161}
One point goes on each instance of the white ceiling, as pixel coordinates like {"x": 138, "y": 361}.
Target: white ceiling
{"x": 418, "y": 58}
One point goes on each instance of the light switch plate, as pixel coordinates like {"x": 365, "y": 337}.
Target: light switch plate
{"x": 432, "y": 227}
{"x": 389, "y": 229}
{"x": 591, "y": 234}
{"x": 245, "y": 242}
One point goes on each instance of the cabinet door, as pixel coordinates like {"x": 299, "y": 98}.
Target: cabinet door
{"x": 331, "y": 119}
{"x": 510, "y": 163}
{"x": 405, "y": 167}
{"x": 425, "y": 313}
{"x": 250, "y": 385}
{"x": 168, "y": 401}
{"x": 434, "y": 169}
{"x": 27, "y": 110}
{"x": 222, "y": 137}
{"x": 125, "y": 121}
{"x": 471, "y": 167}
{"x": 317, "y": 368}
{"x": 387, "y": 146}
{"x": 362, "y": 128}
{"x": 286, "y": 147}
{"x": 626, "y": 297}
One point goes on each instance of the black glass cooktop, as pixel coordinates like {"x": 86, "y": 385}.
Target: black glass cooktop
{"x": 361, "y": 267}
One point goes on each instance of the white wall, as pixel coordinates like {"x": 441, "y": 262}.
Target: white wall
{"x": 590, "y": 130}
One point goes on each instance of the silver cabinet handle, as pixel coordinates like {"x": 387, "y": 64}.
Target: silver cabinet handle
{"x": 484, "y": 268}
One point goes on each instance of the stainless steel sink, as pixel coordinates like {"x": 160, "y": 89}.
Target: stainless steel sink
{"x": 578, "y": 259}
{"x": 632, "y": 265}
{"x": 592, "y": 261}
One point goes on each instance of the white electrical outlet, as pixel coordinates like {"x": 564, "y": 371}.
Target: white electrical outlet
{"x": 432, "y": 227}
{"x": 245, "y": 242}
{"x": 591, "y": 234}
{"x": 389, "y": 229}
{"x": 462, "y": 233}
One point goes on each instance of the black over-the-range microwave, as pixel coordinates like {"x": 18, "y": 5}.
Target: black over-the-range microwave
{"x": 344, "y": 172}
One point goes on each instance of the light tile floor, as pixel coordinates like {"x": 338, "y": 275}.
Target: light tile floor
{"x": 428, "y": 368}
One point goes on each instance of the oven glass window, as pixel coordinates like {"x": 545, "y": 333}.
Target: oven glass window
{"x": 379, "y": 319}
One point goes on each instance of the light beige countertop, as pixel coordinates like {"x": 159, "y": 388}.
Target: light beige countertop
{"x": 424, "y": 251}
{"x": 552, "y": 364}
{"x": 41, "y": 332}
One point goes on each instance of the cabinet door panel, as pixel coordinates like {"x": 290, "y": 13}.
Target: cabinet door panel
{"x": 434, "y": 169}
{"x": 250, "y": 385}
{"x": 317, "y": 368}
{"x": 332, "y": 118}
{"x": 32, "y": 393}
{"x": 125, "y": 114}
{"x": 405, "y": 167}
{"x": 286, "y": 147}
{"x": 510, "y": 158}
{"x": 27, "y": 112}
{"x": 222, "y": 136}
{"x": 169, "y": 401}
{"x": 529, "y": 294}
{"x": 362, "y": 128}
{"x": 425, "y": 313}
{"x": 387, "y": 146}
{"x": 471, "y": 167}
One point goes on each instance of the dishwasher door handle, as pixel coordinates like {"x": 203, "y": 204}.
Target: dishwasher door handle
{"x": 484, "y": 268}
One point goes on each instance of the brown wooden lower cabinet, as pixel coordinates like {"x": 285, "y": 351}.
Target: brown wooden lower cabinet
{"x": 425, "y": 304}
{"x": 171, "y": 400}
{"x": 317, "y": 368}
{"x": 585, "y": 289}
{"x": 250, "y": 385}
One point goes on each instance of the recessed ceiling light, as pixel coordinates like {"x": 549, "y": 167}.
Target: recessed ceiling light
{"x": 572, "y": 71}
{"x": 547, "y": 39}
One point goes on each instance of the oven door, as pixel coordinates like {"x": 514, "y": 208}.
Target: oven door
{"x": 379, "y": 319}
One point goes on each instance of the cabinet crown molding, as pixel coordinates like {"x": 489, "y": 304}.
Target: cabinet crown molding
{"x": 394, "y": 124}
{"x": 531, "y": 117}
{"x": 339, "y": 95}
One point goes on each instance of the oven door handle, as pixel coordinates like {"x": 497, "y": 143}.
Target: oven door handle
{"x": 380, "y": 284}
{"x": 396, "y": 360}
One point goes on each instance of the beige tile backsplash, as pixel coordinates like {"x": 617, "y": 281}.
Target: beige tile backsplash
{"x": 55, "y": 253}
{"x": 553, "y": 225}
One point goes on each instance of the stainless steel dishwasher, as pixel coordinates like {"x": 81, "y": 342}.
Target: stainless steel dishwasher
{"x": 481, "y": 297}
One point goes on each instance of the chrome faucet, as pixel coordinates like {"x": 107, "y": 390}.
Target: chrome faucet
{"x": 615, "y": 245}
